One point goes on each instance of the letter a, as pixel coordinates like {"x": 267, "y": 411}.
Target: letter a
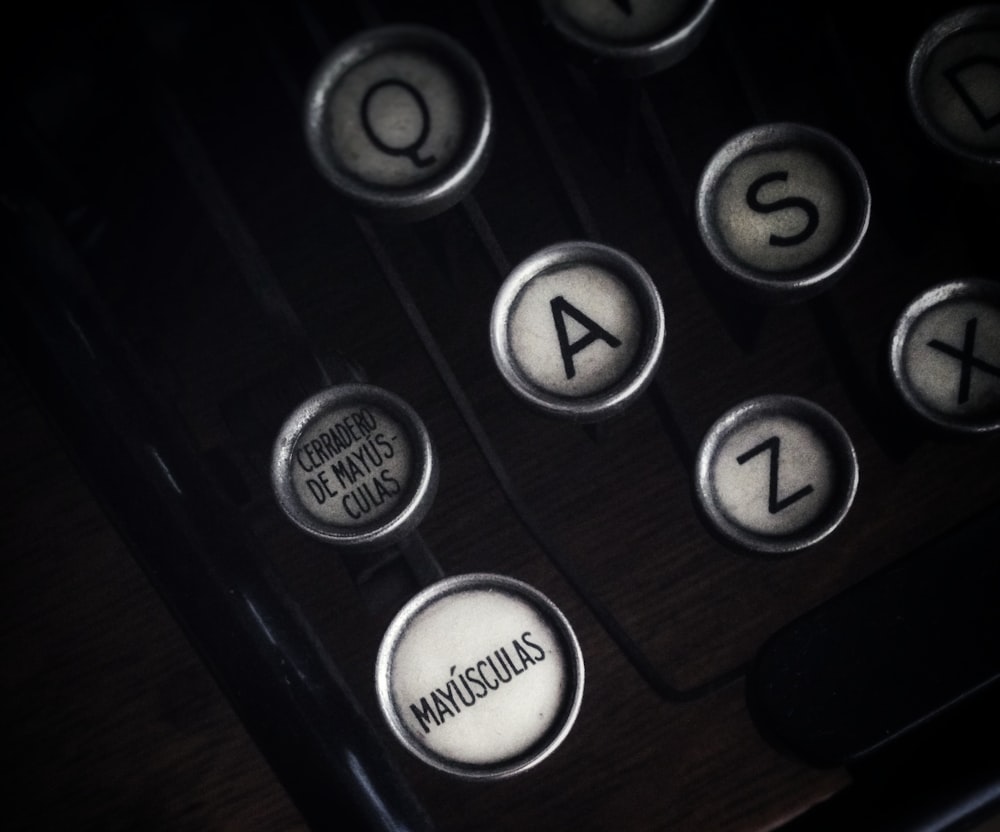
{"x": 595, "y": 332}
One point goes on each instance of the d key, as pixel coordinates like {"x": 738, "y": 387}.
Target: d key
{"x": 954, "y": 86}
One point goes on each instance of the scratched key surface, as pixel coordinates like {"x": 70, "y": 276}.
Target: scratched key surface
{"x": 260, "y": 285}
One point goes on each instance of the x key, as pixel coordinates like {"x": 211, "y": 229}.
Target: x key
{"x": 945, "y": 355}
{"x": 967, "y": 358}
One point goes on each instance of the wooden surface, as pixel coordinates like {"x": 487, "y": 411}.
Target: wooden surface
{"x": 111, "y": 720}
{"x": 183, "y": 187}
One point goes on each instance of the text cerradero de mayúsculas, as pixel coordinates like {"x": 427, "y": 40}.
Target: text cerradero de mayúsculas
{"x": 476, "y": 681}
{"x": 350, "y": 449}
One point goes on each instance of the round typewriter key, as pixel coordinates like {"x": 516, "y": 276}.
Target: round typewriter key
{"x": 945, "y": 355}
{"x": 776, "y": 474}
{"x": 783, "y": 208}
{"x": 354, "y": 465}
{"x": 577, "y": 330}
{"x": 480, "y": 675}
{"x": 954, "y": 85}
{"x": 399, "y": 119}
{"x": 638, "y": 37}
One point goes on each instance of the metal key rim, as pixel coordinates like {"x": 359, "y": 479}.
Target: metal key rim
{"x": 805, "y": 281}
{"x": 656, "y": 54}
{"x": 944, "y": 28}
{"x": 612, "y": 400}
{"x": 967, "y": 288}
{"x": 839, "y": 445}
{"x": 423, "y": 199}
{"x": 419, "y": 493}
{"x": 573, "y": 657}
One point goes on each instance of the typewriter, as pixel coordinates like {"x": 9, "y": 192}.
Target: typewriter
{"x": 743, "y": 576}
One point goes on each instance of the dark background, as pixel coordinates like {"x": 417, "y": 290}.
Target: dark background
{"x": 180, "y": 277}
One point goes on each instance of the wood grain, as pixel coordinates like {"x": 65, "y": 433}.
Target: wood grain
{"x": 111, "y": 719}
{"x": 230, "y": 271}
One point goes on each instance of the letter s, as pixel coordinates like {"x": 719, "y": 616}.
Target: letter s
{"x": 800, "y": 202}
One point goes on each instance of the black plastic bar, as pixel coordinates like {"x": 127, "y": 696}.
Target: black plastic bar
{"x": 192, "y": 544}
{"x": 908, "y": 646}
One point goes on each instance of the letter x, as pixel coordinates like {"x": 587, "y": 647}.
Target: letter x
{"x": 967, "y": 358}
{"x": 595, "y": 332}
{"x": 774, "y": 505}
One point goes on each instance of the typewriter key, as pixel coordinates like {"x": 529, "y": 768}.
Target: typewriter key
{"x": 783, "y": 208}
{"x": 776, "y": 474}
{"x": 577, "y": 330}
{"x": 399, "y": 120}
{"x": 480, "y": 676}
{"x": 354, "y": 465}
{"x": 636, "y": 38}
{"x": 945, "y": 356}
{"x": 954, "y": 86}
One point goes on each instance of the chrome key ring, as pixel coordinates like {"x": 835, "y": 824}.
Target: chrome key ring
{"x": 470, "y": 140}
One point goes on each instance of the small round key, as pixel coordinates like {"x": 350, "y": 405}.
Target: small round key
{"x": 399, "y": 120}
{"x": 354, "y": 465}
{"x": 945, "y": 355}
{"x": 776, "y": 474}
{"x": 954, "y": 86}
{"x": 577, "y": 330}
{"x": 783, "y": 208}
{"x": 635, "y": 37}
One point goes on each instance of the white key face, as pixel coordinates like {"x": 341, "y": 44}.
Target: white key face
{"x": 961, "y": 88}
{"x": 773, "y": 475}
{"x": 396, "y": 119}
{"x": 480, "y": 677}
{"x": 625, "y": 20}
{"x": 352, "y": 466}
{"x": 576, "y": 330}
{"x": 780, "y": 210}
{"x": 951, "y": 359}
